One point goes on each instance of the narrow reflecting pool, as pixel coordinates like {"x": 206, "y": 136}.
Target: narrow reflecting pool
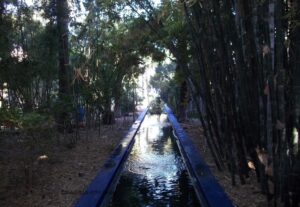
{"x": 154, "y": 174}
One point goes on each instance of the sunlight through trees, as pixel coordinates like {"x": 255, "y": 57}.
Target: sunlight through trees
{"x": 233, "y": 65}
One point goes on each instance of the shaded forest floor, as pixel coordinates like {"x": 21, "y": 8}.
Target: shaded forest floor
{"x": 248, "y": 195}
{"x": 59, "y": 180}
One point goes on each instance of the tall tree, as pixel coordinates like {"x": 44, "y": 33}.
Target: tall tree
{"x": 62, "y": 14}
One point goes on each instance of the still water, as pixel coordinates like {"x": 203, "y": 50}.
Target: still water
{"x": 154, "y": 174}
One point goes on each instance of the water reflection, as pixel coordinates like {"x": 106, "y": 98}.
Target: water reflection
{"x": 154, "y": 174}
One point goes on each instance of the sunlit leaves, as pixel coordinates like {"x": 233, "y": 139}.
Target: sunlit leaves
{"x": 191, "y": 3}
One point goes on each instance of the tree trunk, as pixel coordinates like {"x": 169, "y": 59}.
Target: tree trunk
{"x": 184, "y": 100}
{"x": 295, "y": 79}
{"x": 108, "y": 117}
{"x": 63, "y": 52}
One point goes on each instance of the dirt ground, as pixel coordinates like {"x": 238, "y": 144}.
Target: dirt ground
{"x": 59, "y": 180}
{"x": 248, "y": 195}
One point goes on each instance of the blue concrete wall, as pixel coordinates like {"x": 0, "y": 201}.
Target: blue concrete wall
{"x": 98, "y": 192}
{"x": 208, "y": 190}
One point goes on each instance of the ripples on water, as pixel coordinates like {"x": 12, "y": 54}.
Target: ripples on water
{"x": 154, "y": 174}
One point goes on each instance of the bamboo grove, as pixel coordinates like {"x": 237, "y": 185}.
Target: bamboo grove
{"x": 247, "y": 57}
{"x": 236, "y": 61}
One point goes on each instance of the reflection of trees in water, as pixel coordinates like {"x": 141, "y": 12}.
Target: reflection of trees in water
{"x": 180, "y": 194}
{"x": 126, "y": 193}
{"x": 136, "y": 189}
{"x": 188, "y": 195}
{"x": 161, "y": 146}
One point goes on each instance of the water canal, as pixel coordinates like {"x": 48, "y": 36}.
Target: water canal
{"x": 154, "y": 174}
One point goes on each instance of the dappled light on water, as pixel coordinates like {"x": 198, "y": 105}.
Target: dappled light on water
{"x": 154, "y": 174}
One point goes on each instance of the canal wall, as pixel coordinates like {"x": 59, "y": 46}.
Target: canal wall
{"x": 208, "y": 190}
{"x": 102, "y": 187}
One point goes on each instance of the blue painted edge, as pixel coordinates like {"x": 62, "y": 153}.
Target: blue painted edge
{"x": 96, "y": 192}
{"x": 207, "y": 188}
